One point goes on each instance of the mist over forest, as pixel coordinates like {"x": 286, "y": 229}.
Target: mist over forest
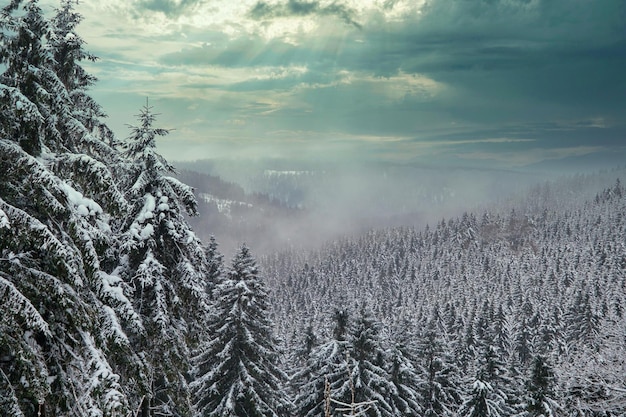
{"x": 280, "y": 204}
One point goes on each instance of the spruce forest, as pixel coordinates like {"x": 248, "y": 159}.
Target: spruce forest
{"x": 112, "y": 306}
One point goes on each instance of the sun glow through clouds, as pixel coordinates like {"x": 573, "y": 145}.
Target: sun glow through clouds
{"x": 443, "y": 69}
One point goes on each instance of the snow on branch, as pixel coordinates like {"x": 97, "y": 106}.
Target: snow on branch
{"x": 15, "y": 304}
{"x": 4, "y": 220}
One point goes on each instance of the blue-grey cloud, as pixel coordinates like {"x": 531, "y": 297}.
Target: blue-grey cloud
{"x": 263, "y": 10}
{"x": 170, "y": 8}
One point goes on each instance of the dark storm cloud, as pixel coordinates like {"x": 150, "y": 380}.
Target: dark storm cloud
{"x": 513, "y": 62}
{"x": 263, "y": 10}
{"x": 552, "y": 50}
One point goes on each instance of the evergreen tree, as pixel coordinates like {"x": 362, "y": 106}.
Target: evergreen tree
{"x": 215, "y": 263}
{"x": 405, "y": 398}
{"x": 237, "y": 369}
{"x": 62, "y": 344}
{"x": 163, "y": 261}
{"x": 523, "y": 342}
{"x": 368, "y": 377}
{"x": 23, "y": 31}
{"x": 583, "y": 323}
{"x": 439, "y": 389}
{"x": 503, "y": 389}
{"x": 52, "y": 245}
{"x": 83, "y": 119}
{"x": 67, "y": 49}
{"x": 483, "y": 401}
{"x": 308, "y": 343}
{"x": 540, "y": 390}
{"x": 328, "y": 363}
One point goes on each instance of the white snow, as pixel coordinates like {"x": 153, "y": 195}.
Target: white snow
{"x": 163, "y": 204}
{"x": 112, "y": 327}
{"x": 147, "y": 212}
{"x": 147, "y": 232}
{"x": 82, "y": 210}
{"x": 4, "y": 220}
{"x": 84, "y": 206}
{"x": 111, "y": 286}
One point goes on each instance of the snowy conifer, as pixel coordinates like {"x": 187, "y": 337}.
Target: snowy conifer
{"x": 23, "y": 31}
{"x": 540, "y": 390}
{"x": 163, "y": 261}
{"x": 83, "y": 120}
{"x": 237, "y": 372}
{"x": 503, "y": 391}
{"x": 405, "y": 398}
{"x": 329, "y": 362}
{"x": 215, "y": 263}
{"x": 439, "y": 388}
{"x": 368, "y": 376}
{"x": 50, "y": 270}
{"x": 482, "y": 401}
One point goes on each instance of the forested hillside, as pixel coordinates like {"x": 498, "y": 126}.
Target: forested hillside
{"x": 483, "y": 307}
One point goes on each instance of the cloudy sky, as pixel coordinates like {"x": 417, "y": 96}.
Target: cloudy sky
{"x": 498, "y": 83}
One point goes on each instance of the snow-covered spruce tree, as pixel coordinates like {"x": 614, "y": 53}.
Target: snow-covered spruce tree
{"x": 35, "y": 104}
{"x": 308, "y": 343}
{"x": 483, "y": 401}
{"x": 488, "y": 394}
{"x": 505, "y": 390}
{"x": 62, "y": 339}
{"x": 49, "y": 265}
{"x": 23, "y": 31}
{"x": 368, "y": 377}
{"x": 83, "y": 121}
{"x": 29, "y": 68}
{"x": 329, "y": 362}
{"x": 405, "y": 398}
{"x": 215, "y": 263}
{"x": 237, "y": 372}
{"x": 67, "y": 49}
{"x": 31, "y": 53}
{"x": 439, "y": 387}
{"x": 163, "y": 261}
{"x": 583, "y": 323}
{"x": 539, "y": 399}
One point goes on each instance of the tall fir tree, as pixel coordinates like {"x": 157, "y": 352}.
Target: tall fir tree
{"x": 62, "y": 342}
{"x": 23, "y": 33}
{"x": 540, "y": 386}
{"x": 439, "y": 388}
{"x": 163, "y": 261}
{"x": 237, "y": 372}
{"x": 482, "y": 402}
{"x": 504, "y": 391}
{"x": 83, "y": 120}
{"x": 368, "y": 377}
{"x": 403, "y": 372}
{"x": 329, "y": 363}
